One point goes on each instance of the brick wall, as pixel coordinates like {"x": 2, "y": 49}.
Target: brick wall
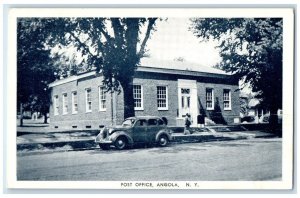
{"x": 218, "y": 89}
{"x": 81, "y": 119}
{"x": 149, "y": 81}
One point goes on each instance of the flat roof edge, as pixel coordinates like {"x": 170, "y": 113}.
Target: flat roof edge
{"x": 180, "y": 72}
{"x": 71, "y": 78}
{"x": 143, "y": 69}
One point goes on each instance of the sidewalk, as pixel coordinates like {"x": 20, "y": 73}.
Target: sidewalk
{"x": 79, "y": 140}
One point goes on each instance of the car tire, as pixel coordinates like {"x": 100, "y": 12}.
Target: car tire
{"x": 163, "y": 140}
{"x": 120, "y": 143}
{"x": 104, "y": 146}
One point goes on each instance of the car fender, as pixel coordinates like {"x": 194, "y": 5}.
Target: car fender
{"x": 117, "y": 134}
{"x": 166, "y": 132}
{"x": 98, "y": 137}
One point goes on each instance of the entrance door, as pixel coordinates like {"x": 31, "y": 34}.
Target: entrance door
{"x": 187, "y": 100}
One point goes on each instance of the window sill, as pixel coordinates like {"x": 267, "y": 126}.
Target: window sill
{"x": 163, "y": 109}
{"x": 140, "y": 109}
{"x": 102, "y": 110}
{"x": 74, "y": 112}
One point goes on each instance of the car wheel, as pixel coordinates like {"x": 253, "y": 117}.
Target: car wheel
{"x": 163, "y": 140}
{"x": 121, "y": 143}
{"x": 104, "y": 146}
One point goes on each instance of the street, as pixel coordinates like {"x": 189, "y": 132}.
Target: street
{"x": 241, "y": 160}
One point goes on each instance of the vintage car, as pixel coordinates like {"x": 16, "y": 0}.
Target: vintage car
{"x": 134, "y": 130}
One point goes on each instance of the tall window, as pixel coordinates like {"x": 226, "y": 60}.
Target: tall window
{"x": 209, "y": 99}
{"x": 227, "y": 99}
{"x": 162, "y": 98}
{"x": 102, "y": 99}
{"x": 138, "y": 97}
{"x": 88, "y": 95}
{"x": 74, "y": 102}
{"x": 65, "y": 103}
{"x": 56, "y": 105}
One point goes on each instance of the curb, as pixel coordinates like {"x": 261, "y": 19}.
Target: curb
{"x": 65, "y": 146}
{"x": 90, "y": 144}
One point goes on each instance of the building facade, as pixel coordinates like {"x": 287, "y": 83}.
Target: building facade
{"x": 82, "y": 102}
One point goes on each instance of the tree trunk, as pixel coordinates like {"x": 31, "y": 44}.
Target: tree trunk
{"x": 21, "y": 114}
{"x": 273, "y": 121}
{"x": 128, "y": 100}
{"x": 45, "y": 117}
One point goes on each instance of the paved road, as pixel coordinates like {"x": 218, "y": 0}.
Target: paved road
{"x": 247, "y": 160}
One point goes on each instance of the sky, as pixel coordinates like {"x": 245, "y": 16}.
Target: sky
{"x": 173, "y": 39}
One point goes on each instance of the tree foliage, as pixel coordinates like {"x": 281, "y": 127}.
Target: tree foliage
{"x": 112, "y": 46}
{"x": 34, "y": 69}
{"x": 251, "y": 49}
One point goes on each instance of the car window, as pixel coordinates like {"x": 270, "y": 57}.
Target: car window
{"x": 128, "y": 122}
{"x": 152, "y": 122}
{"x": 160, "y": 122}
{"x": 141, "y": 123}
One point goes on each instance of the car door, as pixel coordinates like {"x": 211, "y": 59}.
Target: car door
{"x": 139, "y": 131}
{"x": 154, "y": 125}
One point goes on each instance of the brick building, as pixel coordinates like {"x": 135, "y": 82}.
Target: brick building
{"x": 167, "y": 89}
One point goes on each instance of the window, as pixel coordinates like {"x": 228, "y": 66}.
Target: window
{"x": 74, "y": 102}
{"x": 227, "y": 99}
{"x": 56, "y": 105}
{"x": 162, "y": 98}
{"x": 160, "y": 122}
{"x": 102, "y": 99}
{"x": 65, "y": 103}
{"x": 138, "y": 97}
{"x": 185, "y": 91}
{"x": 209, "y": 99}
{"x": 141, "y": 123}
{"x": 185, "y": 101}
{"x": 152, "y": 122}
{"x": 88, "y": 105}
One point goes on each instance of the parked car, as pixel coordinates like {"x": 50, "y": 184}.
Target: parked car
{"x": 134, "y": 130}
{"x": 248, "y": 119}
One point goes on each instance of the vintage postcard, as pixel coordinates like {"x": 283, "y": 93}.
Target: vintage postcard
{"x": 140, "y": 98}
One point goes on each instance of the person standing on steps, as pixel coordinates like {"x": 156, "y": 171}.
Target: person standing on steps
{"x": 187, "y": 124}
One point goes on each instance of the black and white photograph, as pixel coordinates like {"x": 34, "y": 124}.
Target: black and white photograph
{"x": 151, "y": 98}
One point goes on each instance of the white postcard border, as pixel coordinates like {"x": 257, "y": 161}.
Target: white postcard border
{"x": 288, "y": 94}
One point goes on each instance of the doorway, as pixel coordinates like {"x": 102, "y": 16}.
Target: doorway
{"x": 187, "y": 101}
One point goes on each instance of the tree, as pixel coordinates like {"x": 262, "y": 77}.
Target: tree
{"x": 34, "y": 69}
{"x": 113, "y": 45}
{"x": 250, "y": 48}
